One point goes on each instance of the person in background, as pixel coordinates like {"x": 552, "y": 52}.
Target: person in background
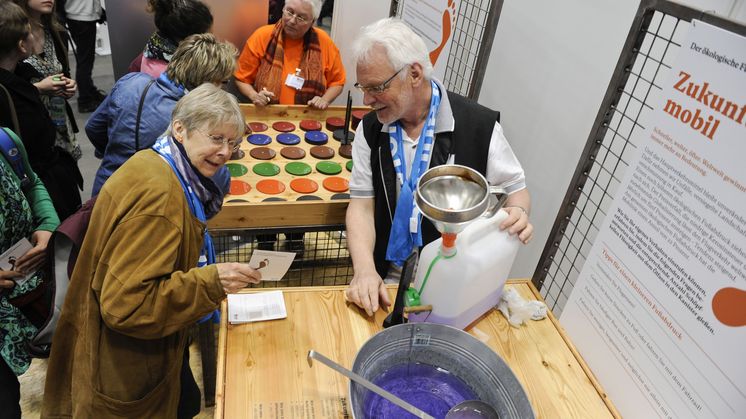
{"x": 291, "y": 62}
{"x": 81, "y": 17}
{"x": 414, "y": 111}
{"x": 275, "y": 11}
{"x": 111, "y": 128}
{"x": 174, "y": 21}
{"x": 51, "y": 71}
{"x": 26, "y": 212}
{"x": 22, "y": 105}
{"x": 137, "y": 275}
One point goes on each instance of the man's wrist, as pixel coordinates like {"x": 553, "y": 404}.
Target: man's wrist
{"x": 519, "y": 207}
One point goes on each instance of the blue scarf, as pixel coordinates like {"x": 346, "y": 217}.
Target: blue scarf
{"x": 406, "y": 231}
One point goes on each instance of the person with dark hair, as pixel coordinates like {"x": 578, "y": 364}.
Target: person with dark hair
{"x": 174, "y": 21}
{"x": 81, "y": 17}
{"x": 51, "y": 74}
{"x": 22, "y": 109}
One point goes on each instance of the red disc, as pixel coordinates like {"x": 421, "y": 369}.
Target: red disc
{"x": 336, "y": 184}
{"x": 335, "y": 123}
{"x": 357, "y": 116}
{"x": 304, "y": 185}
{"x": 257, "y": 126}
{"x": 239, "y": 187}
{"x": 270, "y": 186}
{"x": 310, "y": 125}
{"x": 283, "y": 126}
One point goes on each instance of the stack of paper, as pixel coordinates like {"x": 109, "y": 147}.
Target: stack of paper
{"x": 245, "y": 308}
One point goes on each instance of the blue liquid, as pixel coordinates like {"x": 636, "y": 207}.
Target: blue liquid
{"x": 426, "y": 387}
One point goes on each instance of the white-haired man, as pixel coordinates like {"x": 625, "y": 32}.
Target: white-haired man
{"x": 415, "y": 120}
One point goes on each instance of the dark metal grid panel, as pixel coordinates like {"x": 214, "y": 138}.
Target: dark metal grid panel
{"x": 653, "y": 42}
{"x": 322, "y": 260}
{"x": 473, "y": 33}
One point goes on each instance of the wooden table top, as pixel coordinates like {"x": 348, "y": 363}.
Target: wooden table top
{"x": 263, "y": 372}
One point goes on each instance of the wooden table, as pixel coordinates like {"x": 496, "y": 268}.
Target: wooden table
{"x": 263, "y": 373}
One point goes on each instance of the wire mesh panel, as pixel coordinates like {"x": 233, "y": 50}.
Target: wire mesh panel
{"x": 652, "y": 44}
{"x": 321, "y": 254}
{"x": 473, "y": 33}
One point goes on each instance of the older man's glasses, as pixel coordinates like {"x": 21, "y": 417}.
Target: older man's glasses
{"x": 377, "y": 90}
{"x": 219, "y": 141}
{"x": 298, "y": 18}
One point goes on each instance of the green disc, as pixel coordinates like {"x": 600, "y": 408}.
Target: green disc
{"x": 328, "y": 167}
{"x": 349, "y": 166}
{"x": 266, "y": 169}
{"x": 298, "y": 168}
{"x": 236, "y": 169}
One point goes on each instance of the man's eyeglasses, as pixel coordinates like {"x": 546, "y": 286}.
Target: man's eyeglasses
{"x": 219, "y": 141}
{"x": 377, "y": 90}
{"x": 298, "y": 18}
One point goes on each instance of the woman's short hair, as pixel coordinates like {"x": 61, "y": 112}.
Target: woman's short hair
{"x": 201, "y": 58}
{"x": 177, "y": 19}
{"x": 14, "y": 26}
{"x": 208, "y": 106}
{"x": 402, "y": 45}
{"x": 315, "y": 7}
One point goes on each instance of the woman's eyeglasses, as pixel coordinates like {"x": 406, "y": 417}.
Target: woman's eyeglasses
{"x": 220, "y": 141}
{"x": 298, "y": 18}
{"x": 377, "y": 90}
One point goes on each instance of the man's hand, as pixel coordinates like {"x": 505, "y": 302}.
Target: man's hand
{"x": 318, "y": 102}
{"x": 262, "y": 98}
{"x": 33, "y": 260}
{"x": 368, "y": 292}
{"x": 236, "y": 276}
{"x": 517, "y": 223}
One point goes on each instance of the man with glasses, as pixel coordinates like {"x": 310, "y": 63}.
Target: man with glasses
{"x": 416, "y": 124}
{"x": 291, "y": 62}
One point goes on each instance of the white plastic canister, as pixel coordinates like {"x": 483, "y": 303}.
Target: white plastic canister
{"x": 468, "y": 284}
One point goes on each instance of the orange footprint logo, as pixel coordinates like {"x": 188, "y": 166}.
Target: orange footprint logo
{"x": 449, "y": 21}
{"x": 729, "y": 306}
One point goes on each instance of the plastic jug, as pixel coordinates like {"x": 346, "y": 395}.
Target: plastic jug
{"x": 467, "y": 284}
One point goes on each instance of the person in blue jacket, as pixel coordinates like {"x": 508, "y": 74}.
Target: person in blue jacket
{"x": 113, "y": 127}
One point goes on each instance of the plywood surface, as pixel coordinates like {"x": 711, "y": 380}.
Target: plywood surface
{"x": 263, "y": 373}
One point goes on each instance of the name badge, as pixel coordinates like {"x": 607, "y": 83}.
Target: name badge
{"x": 295, "y": 80}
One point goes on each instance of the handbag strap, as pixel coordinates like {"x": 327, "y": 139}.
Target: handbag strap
{"x": 139, "y": 113}
{"x": 13, "y": 114}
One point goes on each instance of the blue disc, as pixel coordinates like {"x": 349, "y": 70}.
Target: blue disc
{"x": 288, "y": 138}
{"x": 260, "y": 139}
{"x": 316, "y": 137}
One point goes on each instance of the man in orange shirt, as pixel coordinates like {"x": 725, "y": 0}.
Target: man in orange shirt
{"x": 291, "y": 62}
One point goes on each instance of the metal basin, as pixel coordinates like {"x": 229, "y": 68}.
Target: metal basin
{"x": 446, "y": 347}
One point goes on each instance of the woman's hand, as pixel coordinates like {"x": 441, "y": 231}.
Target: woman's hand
{"x": 318, "y": 102}
{"x": 6, "y": 278}
{"x": 33, "y": 260}
{"x": 236, "y": 276}
{"x": 71, "y": 86}
{"x": 52, "y": 85}
{"x": 262, "y": 98}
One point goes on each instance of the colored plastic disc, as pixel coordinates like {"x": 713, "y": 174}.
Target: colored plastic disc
{"x": 310, "y": 125}
{"x": 309, "y": 198}
{"x": 345, "y": 150}
{"x": 336, "y": 184}
{"x": 287, "y": 138}
{"x": 258, "y": 126}
{"x": 298, "y": 168}
{"x": 322, "y": 152}
{"x": 270, "y": 186}
{"x": 340, "y": 196}
{"x": 328, "y": 167}
{"x": 348, "y": 166}
{"x": 357, "y": 116}
{"x": 266, "y": 169}
{"x": 262, "y": 153}
{"x": 237, "y": 200}
{"x": 236, "y": 169}
{"x": 334, "y": 123}
{"x": 238, "y": 155}
{"x": 283, "y": 126}
{"x": 239, "y": 187}
{"x": 274, "y": 199}
{"x": 260, "y": 139}
{"x": 316, "y": 137}
{"x": 293, "y": 153}
{"x": 340, "y": 134}
{"x": 304, "y": 185}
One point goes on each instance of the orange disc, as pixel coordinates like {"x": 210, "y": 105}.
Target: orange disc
{"x": 239, "y": 187}
{"x": 270, "y": 186}
{"x": 304, "y": 185}
{"x": 336, "y": 184}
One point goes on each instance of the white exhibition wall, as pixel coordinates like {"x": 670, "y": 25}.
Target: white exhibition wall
{"x": 548, "y": 71}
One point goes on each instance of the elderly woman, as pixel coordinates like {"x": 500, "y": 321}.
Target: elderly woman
{"x": 114, "y": 129}
{"x": 291, "y": 62}
{"x": 136, "y": 288}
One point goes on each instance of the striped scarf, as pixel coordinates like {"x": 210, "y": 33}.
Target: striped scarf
{"x": 270, "y": 70}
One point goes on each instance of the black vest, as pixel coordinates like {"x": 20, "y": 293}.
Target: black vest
{"x": 469, "y": 142}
